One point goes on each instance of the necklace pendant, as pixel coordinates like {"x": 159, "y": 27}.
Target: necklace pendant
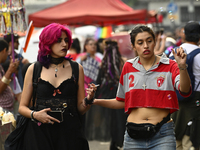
{"x": 56, "y": 70}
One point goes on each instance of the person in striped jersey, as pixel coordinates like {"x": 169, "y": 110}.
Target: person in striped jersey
{"x": 147, "y": 93}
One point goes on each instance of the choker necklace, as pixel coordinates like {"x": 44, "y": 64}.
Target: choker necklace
{"x": 57, "y": 61}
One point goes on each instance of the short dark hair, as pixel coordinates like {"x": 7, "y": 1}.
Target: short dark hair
{"x": 76, "y": 45}
{"x": 139, "y": 29}
{"x": 8, "y": 39}
{"x": 3, "y": 45}
{"x": 192, "y": 31}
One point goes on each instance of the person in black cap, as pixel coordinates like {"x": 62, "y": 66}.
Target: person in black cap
{"x": 187, "y": 120}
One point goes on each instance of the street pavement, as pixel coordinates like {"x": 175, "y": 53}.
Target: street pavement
{"x": 97, "y": 145}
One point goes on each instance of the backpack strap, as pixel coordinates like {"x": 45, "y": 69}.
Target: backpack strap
{"x": 190, "y": 61}
{"x": 191, "y": 55}
{"x": 75, "y": 71}
{"x": 36, "y": 74}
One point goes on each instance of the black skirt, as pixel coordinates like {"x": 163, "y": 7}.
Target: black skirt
{"x": 67, "y": 135}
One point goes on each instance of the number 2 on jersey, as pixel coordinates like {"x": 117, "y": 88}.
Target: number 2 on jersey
{"x": 131, "y": 78}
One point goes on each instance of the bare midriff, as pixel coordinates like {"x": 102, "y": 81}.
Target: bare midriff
{"x": 147, "y": 115}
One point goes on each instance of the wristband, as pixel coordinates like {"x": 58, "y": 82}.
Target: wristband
{"x": 32, "y": 116}
{"x": 32, "y": 119}
{"x": 88, "y": 102}
{"x": 5, "y": 80}
{"x": 183, "y": 68}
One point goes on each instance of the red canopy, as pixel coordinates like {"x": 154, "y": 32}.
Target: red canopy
{"x": 89, "y": 12}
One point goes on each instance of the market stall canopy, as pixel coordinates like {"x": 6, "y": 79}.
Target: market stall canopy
{"x": 90, "y": 12}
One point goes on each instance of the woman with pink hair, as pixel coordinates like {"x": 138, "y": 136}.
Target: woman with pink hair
{"x": 55, "y": 122}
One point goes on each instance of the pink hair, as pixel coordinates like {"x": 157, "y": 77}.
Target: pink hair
{"x": 48, "y": 37}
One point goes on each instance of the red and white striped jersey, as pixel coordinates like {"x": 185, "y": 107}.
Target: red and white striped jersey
{"x": 149, "y": 88}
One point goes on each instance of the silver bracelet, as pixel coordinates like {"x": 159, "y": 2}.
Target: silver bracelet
{"x": 183, "y": 68}
{"x": 32, "y": 115}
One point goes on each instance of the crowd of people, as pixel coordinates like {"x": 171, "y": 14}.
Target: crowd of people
{"x": 101, "y": 95}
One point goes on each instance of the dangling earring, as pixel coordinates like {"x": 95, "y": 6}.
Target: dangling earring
{"x": 48, "y": 56}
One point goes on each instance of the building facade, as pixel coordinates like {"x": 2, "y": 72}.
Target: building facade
{"x": 175, "y": 12}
